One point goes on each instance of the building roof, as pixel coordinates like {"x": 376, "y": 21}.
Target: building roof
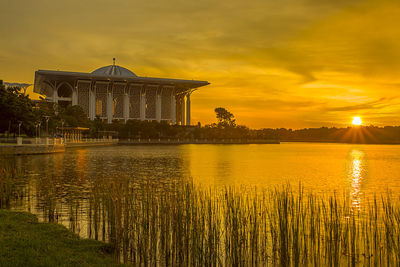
{"x": 112, "y": 73}
{"x": 114, "y": 70}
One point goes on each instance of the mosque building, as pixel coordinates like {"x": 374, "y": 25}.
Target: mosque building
{"x": 116, "y": 93}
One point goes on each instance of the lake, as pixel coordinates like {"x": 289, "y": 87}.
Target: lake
{"x": 356, "y": 171}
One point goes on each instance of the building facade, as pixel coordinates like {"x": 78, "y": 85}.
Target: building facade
{"x": 116, "y": 93}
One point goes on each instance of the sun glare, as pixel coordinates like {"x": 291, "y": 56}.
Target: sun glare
{"x": 357, "y": 121}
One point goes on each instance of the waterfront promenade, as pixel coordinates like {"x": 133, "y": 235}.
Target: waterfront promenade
{"x": 28, "y": 149}
{"x": 29, "y": 146}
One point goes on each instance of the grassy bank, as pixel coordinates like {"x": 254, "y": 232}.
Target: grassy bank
{"x": 26, "y": 242}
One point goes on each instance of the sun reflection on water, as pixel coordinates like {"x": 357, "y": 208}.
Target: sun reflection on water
{"x": 356, "y": 177}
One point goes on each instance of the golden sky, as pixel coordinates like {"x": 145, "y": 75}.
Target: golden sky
{"x": 286, "y": 63}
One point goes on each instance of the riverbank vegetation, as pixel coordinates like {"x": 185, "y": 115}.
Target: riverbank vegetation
{"x": 20, "y": 114}
{"x": 26, "y": 242}
{"x": 182, "y": 224}
{"x": 188, "y": 226}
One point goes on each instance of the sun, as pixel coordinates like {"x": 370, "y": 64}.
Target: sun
{"x": 356, "y": 121}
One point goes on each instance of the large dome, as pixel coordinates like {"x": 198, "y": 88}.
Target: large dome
{"x": 114, "y": 70}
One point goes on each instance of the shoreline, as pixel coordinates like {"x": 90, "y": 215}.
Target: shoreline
{"x": 32, "y": 149}
{"x": 335, "y": 142}
{"x": 195, "y": 141}
{"x": 26, "y": 242}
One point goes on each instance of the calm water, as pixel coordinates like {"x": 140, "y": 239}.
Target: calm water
{"x": 355, "y": 170}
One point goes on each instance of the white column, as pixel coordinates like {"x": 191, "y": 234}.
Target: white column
{"x": 188, "y": 109}
{"x": 126, "y": 107}
{"x": 109, "y": 107}
{"x": 142, "y": 106}
{"x": 55, "y": 94}
{"x": 173, "y": 108}
{"x": 183, "y": 110}
{"x": 158, "y": 107}
{"x": 75, "y": 97}
{"x": 92, "y": 104}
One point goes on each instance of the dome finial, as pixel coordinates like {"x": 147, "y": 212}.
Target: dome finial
{"x": 113, "y": 60}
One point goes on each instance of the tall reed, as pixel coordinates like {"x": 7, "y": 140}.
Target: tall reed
{"x": 186, "y": 225}
{"x": 10, "y": 191}
{"x": 181, "y": 224}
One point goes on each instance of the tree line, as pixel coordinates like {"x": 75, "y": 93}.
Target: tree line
{"x": 19, "y": 113}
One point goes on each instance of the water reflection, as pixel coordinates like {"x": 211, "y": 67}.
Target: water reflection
{"x": 356, "y": 177}
{"x": 56, "y": 187}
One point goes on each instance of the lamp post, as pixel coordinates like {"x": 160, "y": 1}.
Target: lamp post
{"x": 19, "y": 128}
{"x": 47, "y": 125}
{"x": 19, "y": 138}
{"x": 37, "y": 130}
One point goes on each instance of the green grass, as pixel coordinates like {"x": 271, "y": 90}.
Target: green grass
{"x": 26, "y": 242}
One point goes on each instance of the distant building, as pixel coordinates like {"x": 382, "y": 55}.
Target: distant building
{"x": 116, "y": 93}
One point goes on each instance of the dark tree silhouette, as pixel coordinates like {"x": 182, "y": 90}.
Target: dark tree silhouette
{"x": 15, "y": 107}
{"x": 74, "y": 116}
{"x": 225, "y": 118}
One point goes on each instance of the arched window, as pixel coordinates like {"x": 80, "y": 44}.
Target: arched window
{"x": 64, "y": 90}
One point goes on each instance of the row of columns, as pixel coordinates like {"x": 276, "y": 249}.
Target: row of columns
{"x": 185, "y": 113}
{"x": 185, "y": 109}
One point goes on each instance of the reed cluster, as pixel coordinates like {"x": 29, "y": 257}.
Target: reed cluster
{"x": 191, "y": 226}
{"x": 182, "y": 224}
{"x": 10, "y": 190}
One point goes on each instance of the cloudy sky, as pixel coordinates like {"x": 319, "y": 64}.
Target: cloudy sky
{"x": 286, "y": 63}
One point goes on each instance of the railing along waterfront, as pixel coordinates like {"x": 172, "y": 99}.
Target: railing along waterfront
{"x": 53, "y": 141}
{"x": 32, "y": 141}
{"x": 24, "y": 146}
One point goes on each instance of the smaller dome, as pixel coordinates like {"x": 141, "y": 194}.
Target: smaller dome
{"x": 114, "y": 70}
